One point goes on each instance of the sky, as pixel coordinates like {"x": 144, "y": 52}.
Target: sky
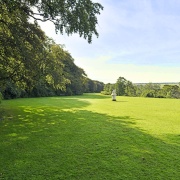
{"x": 138, "y": 40}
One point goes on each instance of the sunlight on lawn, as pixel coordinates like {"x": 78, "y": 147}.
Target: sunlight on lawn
{"x": 90, "y": 137}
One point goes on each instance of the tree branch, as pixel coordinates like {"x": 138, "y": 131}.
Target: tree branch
{"x": 39, "y": 14}
{"x": 42, "y": 20}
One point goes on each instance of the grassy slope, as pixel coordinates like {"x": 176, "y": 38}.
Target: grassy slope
{"x": 90, "y": 137}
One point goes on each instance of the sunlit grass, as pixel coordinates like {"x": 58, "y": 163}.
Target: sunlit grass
{"x": 90, "y": 137}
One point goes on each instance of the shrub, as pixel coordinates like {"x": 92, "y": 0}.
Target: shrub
{"x": 11, "y": 91}
{"x": 69, "y": 92}
{"x": 105, "y": 93}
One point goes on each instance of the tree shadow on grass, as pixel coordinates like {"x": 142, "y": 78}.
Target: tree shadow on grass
{"x": 61, "y": 143}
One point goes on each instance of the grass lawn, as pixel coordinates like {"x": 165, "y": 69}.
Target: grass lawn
{"x": 90, "y": 137}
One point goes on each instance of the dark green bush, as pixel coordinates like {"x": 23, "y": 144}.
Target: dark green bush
{"x": 1, "y": 97}
{"x": 11, "y": 91}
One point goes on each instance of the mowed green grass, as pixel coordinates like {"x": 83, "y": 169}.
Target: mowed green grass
{"x": 90, "y": 137}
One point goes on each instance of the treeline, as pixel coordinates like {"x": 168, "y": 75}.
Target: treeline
{"x": 126, "y": 88}
{"x": 33, "y": 65}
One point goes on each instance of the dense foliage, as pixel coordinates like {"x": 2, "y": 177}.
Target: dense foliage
{"x": 51, "y": 72}
{"x": 126, "y": 88}
{"x": 0, "y": 97}
{"x": 31, "y": 64}
{"x": 68, "y": 16}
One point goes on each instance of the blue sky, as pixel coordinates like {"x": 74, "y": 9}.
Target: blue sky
{"x": 138, "y": 39}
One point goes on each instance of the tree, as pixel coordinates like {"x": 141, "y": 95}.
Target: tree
{"x": 130, "y": 89}
{"x": 171, "y": 91}
{"x": 91, "y": 86}
{"x": 74, "y": 74}
{"x": 20, "y": 46}
{"x": 53, "y": 69}
{"x": 100, "y": 86}
{"x": 121, "y": 86}
{"x": 150, "y": 90}
{"x": 31, "y": 64}
{"x": 68, "y": 16}
{"x": 108, "y": 89}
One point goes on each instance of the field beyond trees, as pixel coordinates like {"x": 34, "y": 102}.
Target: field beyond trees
{"x": 90, "y": 137}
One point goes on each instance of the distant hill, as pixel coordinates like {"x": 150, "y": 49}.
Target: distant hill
{"x": 160, "y": 83}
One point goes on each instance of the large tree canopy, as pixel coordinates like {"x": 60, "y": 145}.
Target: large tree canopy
{"x": 20, "y": 41}
{"x": 68, "y": 16}
{"x": 31, "y": 64}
